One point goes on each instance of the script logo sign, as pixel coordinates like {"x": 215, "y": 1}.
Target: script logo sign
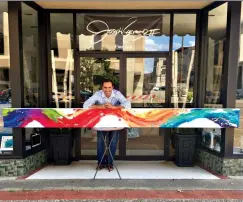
{"x": 125, "y": 31}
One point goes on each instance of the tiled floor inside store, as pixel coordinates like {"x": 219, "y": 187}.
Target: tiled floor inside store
{"x": 127, "y": 169}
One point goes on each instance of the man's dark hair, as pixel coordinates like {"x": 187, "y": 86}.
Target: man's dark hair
{"x": 107, "y": 80}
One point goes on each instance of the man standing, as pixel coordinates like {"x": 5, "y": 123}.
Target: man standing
{"x": 108, "y": 97}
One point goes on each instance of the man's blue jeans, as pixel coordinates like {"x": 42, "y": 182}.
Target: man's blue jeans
{"x": 101, "y": 146}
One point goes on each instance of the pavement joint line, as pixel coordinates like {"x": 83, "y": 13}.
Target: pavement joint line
{"x": 112, "y": 189}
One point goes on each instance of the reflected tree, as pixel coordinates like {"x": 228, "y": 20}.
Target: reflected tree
{"x": 93, "y": 71}
{"x": 86, "y": 73}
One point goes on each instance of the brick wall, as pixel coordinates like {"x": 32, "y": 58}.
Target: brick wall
{"x": 20, "y": 167}
{"x": 224, "y": 166}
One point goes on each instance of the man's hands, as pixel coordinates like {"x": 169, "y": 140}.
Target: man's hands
{"x": 109, "y": 106}
{"x": 106, "y": 106}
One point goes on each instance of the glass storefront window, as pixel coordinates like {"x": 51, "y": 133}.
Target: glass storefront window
{"x": 144, "y": 142}
{"x": 62, "y": 60}
{"x": 30, "y": 37}
{"x": 146, "y": 81}
{"x": 126, "y": 32}
{"x": 6, "y": 138}
{"x": 238, "y": 134}
{"x": 30, "y": 55}
{"x": 93, "y": 71}
{"x": 145, "y": 88}
{"x": 183, "y": 59}
{"x": 217, "y": 22}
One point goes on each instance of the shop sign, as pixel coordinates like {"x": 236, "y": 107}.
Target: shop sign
{"x": 102, "y": 29}
{"x": 125, "y": 31}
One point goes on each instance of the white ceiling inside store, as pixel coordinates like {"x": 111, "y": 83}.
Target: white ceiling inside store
{"x": 124, "y": 4}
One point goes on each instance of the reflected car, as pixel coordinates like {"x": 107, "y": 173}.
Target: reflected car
{"x": 5, "y": 96}
{"x": 159, "y": 88}
{"x": 238, "y": 95}
{"x": 213, "y": 97}
{"x": 85, "y": 95}
{"x": 159, "y": 95}
{"x": 31, "y": 97}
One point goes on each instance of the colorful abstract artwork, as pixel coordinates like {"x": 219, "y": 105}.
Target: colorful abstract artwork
{"x": 120, "y": 118}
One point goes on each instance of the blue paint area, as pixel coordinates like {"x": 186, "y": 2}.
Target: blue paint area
{"x": 15, "y": 118}
{"x": 223, "y": 117}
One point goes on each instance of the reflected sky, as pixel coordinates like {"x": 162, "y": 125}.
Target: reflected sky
{"x": 161, "y": 43}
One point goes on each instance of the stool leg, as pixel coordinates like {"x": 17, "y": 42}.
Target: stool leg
{"x": 113, "y": 158}
{"x": 106, "y": 148}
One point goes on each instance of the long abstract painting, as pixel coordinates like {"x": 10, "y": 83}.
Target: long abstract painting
{"x": 120, "y": 118}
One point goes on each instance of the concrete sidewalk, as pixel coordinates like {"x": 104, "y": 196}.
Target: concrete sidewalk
{"x": 11, "y": 184}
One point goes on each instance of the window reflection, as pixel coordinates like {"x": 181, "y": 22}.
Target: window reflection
{"x": 145, "y": 87}
{"x": 217, "y": 22}
{"x": 6, "y": 138}
{"x": 30, "y": 55}
{"x": 93, "y": 71}
{"x": 62, "y": 60}
{"x": 146, "y": 81}
{"x": 183, "y": 59}
{"x": 123, "y": 32}
{"x": 30, "y": 64}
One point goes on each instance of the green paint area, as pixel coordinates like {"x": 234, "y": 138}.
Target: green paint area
{"x": 7, "y": 111}
{"x": 52, "y": 114}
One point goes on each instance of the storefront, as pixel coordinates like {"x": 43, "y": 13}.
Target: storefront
{"x": 160, "y": 55}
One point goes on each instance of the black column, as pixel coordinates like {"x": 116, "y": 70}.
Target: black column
{"x": 201, "y": 52}
{"x": 16, "y": 71}
{"x": 43, "y": 60}
{"x": 230, "y": 65}
{"x": 169, "y": 59}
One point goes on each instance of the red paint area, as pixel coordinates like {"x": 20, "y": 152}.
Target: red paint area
{"x": 89, "y": 118}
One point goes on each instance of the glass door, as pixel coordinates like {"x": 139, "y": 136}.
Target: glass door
{"x": 143, "y": 79}
{"x": 146, "y": 87}
{"x": 91, "y": 71}
{"x": 146, "y": 81}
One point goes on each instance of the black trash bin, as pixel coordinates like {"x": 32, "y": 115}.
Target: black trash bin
{"x": 61, "y": 146}
{"x": 185, "y": 145}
